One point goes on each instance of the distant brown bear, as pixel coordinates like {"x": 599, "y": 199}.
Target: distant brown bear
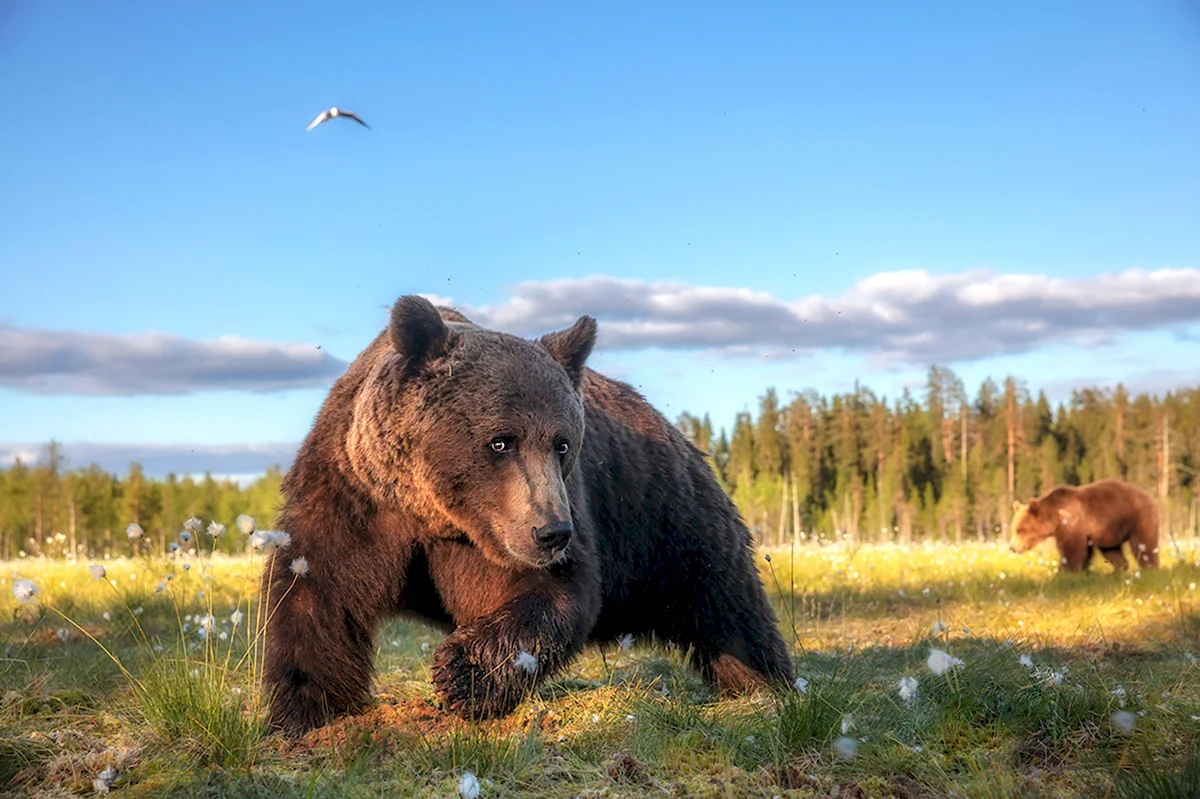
{"x": 1101, "y": 515}
{"x": 448, "y": 477}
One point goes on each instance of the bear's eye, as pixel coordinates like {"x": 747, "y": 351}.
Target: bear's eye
{"x": 501, "y": 445}
{"x": 562, "y": 448}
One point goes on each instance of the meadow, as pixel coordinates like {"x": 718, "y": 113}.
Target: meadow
{"x": 930, "y": 670}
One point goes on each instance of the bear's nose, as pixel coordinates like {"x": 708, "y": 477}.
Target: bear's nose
{"x": 552, "y": 537}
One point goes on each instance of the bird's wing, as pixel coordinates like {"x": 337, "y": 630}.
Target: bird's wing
{"x": 321, "y": 117}
{"x": 355, "y": 118}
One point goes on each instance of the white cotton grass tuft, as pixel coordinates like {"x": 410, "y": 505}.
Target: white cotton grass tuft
{"x": 216, "y": 529}
{"x": 185, "y": 536}
{"x": 526, "y": 662}
{"x": 845, "y": 747}
{"x": 939, "y": 662}
{"x": 468, "y": 786}
{"x": 847, "y": 723}
{"x": 299, "y": 567}
{"x": 270, "y": 540}
{"x": 1119, "y": 693}
{"x": 939, "y": 627}
{"x": 1025, "y": 661}
{"x": 24, "y": 590}
{"x": 236, "y": 617}
{"x": 1123, "y": 720}
{"x": 104, "y": 780}
{"x": 193, "y": 525}
{"x": 625, "y": 641}
{"x": 908, "y": 688}
{"x": 801, "y": 685}
{"x": 98, "y": 571}
{"x": 245, "y": 524}
{"x": 134, "y": 531}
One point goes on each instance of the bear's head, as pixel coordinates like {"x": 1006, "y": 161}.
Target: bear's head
{"x": 476, "y": 432}
{"x": 1032, "y": 523}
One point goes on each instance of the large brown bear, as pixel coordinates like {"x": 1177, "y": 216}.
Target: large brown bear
{"x": 1101, "y": 515}
{"x": 448, "y": 477}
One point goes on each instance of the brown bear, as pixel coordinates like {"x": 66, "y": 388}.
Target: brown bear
{"x": 499, "y": 489}
{"x": 1101, "y": 515}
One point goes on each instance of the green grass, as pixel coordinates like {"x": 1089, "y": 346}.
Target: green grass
{"x": 110, "y": 672}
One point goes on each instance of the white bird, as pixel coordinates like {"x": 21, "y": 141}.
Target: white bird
{"x": 334, "y": 113}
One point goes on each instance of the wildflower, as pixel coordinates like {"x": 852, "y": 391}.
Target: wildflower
{"x": 1123, "y": 720}
{"x": 162, "y": 586}
{"x": 63, "y": 634}
{"x": 245, "y": 523}
{"x": 846, "y": 748}
{"x": 1025, "y": 661}
{"x": 216, "y": 530}
{"x": 1119, "y": 693}
{"x": 236, "y": 617}
{"x": 939, "y": 627}
{"x": 468, "y": 786}
{"x": 939, "y": 662}
{"x": 187, "y": 567}
{"x": 299, "y": 567}
{"x": 525, "y": 661}
{"x": 192, "y": 525}
{"x": 625, "y": 641}
{"x": 801, "y": 685}
{"x": 908, "y": 688}
{"x": 847, "y": 723}
{"x": 104, "y": 780}
{"x": 106, "y": 616}
{"x": 173, "y": 547}
{"x": 185, "y": 536}
{"x": 133, "y": 531}
{"x": 24, "y": 590}
{"x": 269, "y": 541}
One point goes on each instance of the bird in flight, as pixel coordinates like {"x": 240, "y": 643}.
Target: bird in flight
{"x": 334, "y": 113}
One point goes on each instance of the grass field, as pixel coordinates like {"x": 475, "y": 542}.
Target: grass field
{"x": 1064, "y": 685}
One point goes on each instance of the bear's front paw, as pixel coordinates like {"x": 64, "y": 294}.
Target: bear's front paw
{"x": 474, "y": 683}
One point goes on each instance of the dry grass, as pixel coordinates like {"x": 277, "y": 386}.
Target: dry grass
{"x": 175, "y": 714}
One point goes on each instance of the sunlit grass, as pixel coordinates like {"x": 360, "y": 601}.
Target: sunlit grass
{"x": 113, "y": 672}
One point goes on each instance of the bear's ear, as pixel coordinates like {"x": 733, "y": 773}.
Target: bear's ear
{"x": 417, "y": 331}
{"x": 1033, "y": 507}
{"x": 572, "y": 346}
{"x": 1016, "y": 505}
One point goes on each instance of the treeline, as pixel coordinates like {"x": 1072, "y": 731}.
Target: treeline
{"x": 47, "y": 509}
{"x": 944, "y": 465}
{"x": 941, "y": 465}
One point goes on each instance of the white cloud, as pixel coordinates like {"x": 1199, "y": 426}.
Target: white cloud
{"x": 236, "y": 461}
{"x": 912, "y": 316}
{"x": 67, "y": 362}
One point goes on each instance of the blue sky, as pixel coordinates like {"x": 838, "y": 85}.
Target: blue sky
{"x": 1002, "y": 188}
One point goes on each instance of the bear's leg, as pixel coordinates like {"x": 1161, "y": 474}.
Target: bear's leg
{"x": 319, "y": 652}
{"x": 734, "y": 640}
{"x": 1116, "y": 557}
{"x": 1145, "y": 548}
{"x": 1075, "y": 554}
{"x": 515, "y": 628}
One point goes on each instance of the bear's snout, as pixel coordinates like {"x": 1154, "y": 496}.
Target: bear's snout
{"x": 553, "y": 537}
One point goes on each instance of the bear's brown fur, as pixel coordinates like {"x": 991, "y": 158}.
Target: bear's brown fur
{"x": 1102, "y": 515}
{"x": 448, "y": 477}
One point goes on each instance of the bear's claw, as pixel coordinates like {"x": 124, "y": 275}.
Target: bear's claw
{"x": 472, "y": 685}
